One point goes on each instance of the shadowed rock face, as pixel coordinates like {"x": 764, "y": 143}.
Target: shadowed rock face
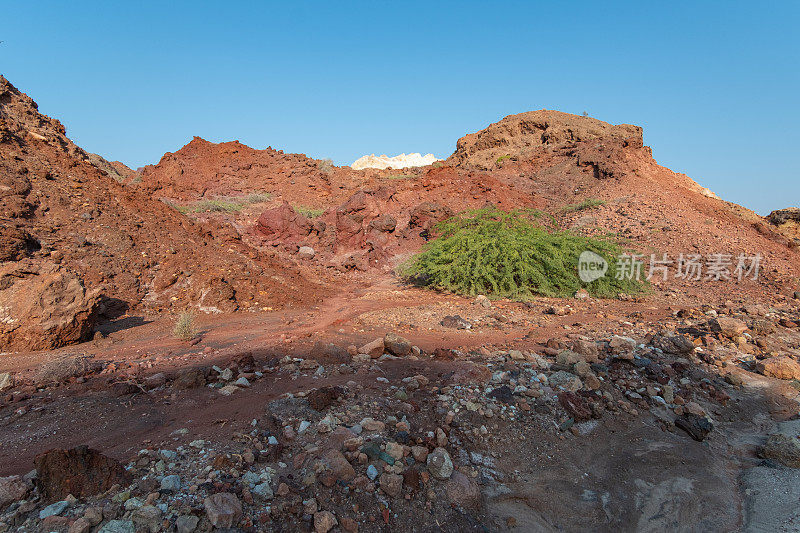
{"x": 782, "y": 216}
{"x": 787, "y": 221}
{"x": 80, "y": 471}
{"x": 523, "y": 135}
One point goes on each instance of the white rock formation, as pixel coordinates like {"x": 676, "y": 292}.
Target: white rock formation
{"x": 398, "y": 161}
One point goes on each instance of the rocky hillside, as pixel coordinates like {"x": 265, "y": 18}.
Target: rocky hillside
{"x": 203, "y": 169}
{"x": 77, "y": 246}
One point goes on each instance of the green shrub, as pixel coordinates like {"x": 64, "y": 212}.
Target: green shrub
{"x": 310, "y": 212}
{"x": 586, "y": 204}
{"x": 204, "y": 206}
{"x": 502, "y": 158}
{"x": 504, "y": 254}
{"x": 184, "y": 327}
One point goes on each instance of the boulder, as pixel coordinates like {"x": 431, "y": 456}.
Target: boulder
{"x": 391, "y": 484}
{"x": 80, "y": 471}
{"x": 781, "y": 367}
{"x": 306, "y": 252}
{"x": 16, "y": 243}
{"x": 338, "y": 465}
{"x": 727, "y": 326}
{"x": 324, "y": 521}
{"x": 439, "y": 464}
{"x": 698, "y": 427}
{"x": 328, "y": 352}
{"x": 223, "y": 509}
{"x": 782, "y": 448}
{"x": 673, "y": 344}
{"x": 147, "y": 517}
{"x": 6, "y": 381}
{"x": 463, "y": 492}
{"x": 588, "y": 349}
{"x": 189, "y": 379}
{"x": 565, "y": 380}
{"x": 455, "y": 322}
{"x": 283, "y": 224}
{"x": 427, "y": 214}
{"x": 622, "y": 347}
{"x": 374, "y": 349}
{"x": 397, "y": 345}
{"x": 118, "y": 526}
{"x": 44, "y": 307}
{"x": 575, "y": 406}
{"x": 321, "y": 398}
{"x": 12, "y": 489}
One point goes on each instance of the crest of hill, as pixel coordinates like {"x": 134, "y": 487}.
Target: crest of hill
{"x": 203, "y": 169}
{"x": 523, "y": 135}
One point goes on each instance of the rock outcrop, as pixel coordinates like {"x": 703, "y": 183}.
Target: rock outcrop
{"x": 596, "y": 144}
{"x": 44, "y": 306}
{"x": 787, "y": 221}
{"x": 398, "y": 161}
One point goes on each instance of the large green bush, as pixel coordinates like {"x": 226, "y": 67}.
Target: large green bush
{"x": 508, "y": 254}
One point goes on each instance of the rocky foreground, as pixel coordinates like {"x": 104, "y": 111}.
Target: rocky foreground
{"x": 646, "y": 430}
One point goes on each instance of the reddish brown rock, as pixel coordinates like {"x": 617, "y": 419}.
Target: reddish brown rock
{"x": 728, "y": 326}
{"x": 321, "y": 398}
{"x": 12, "y": 488}
{"x": 781, "y": 367}
{"x": 45, "y": 306}
{"x": 463, "y": 492}
{"x": 223, "y": 509}
{"x": 80, "y": 471}
{"x": 337, "y": 466}
{"x": 284, "y": 224}
{"x": 391, "y": 484}
{"x": 575, "y": 405}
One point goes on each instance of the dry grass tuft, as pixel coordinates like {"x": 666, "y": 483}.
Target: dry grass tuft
{"x": 185, "y": 329}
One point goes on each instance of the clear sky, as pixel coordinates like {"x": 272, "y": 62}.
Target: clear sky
{"x": 715, "y": 85}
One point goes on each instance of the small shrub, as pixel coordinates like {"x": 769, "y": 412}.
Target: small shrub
{"x": 502, "y": 158}
{"x": 506, "y": 254}
{"x": 310, "y": 212}
{"x": 184, "y": 327}
{"x": 400, "y": 177}
{"x": 228, "y": 204}
{"x": 65, "y": 367}
{"x": 257, "y": 198}
{"x": 325, "y": 166}
{"x": 589, "y": 203}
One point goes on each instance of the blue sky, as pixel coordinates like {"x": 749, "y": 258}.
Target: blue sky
{"x": 715, "y": 85}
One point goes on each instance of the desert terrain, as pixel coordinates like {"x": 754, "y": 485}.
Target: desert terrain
{"x": 225, "y": 340}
